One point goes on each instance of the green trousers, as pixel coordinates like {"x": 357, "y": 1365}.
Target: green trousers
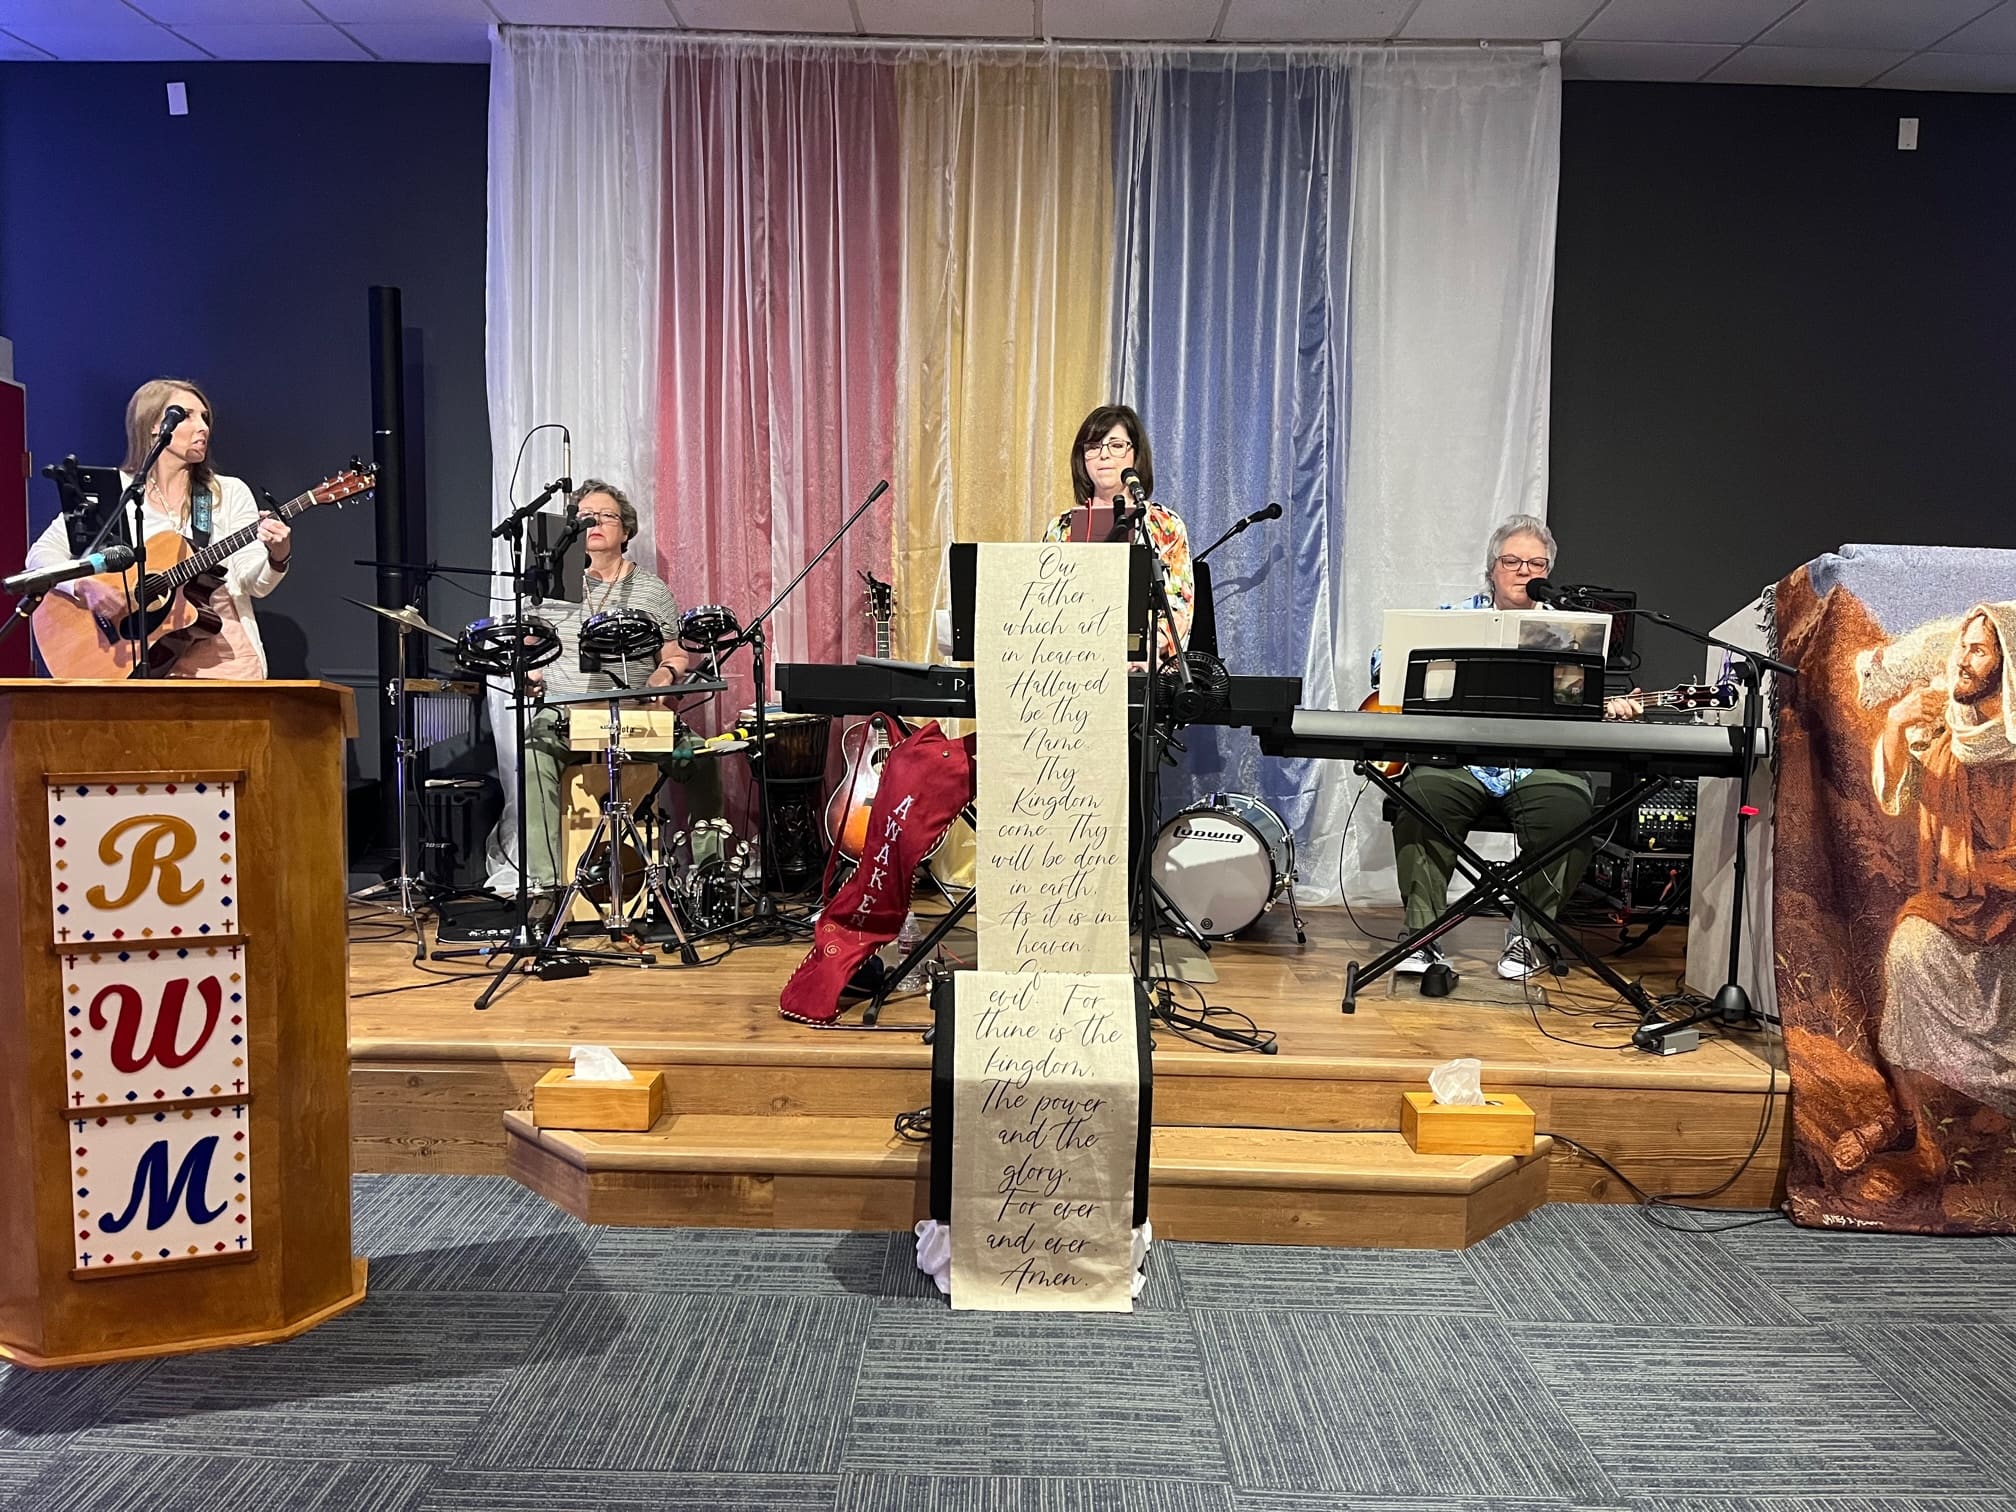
{"x": 547, "y": 754}
{"x": 1543, "y": 806}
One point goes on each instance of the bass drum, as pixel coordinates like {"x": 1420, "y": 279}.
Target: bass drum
{"x": 1224, "y": 861}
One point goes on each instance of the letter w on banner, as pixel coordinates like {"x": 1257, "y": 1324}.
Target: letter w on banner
{"x": 1046, "y": 1098}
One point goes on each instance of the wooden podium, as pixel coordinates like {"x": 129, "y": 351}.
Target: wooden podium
{"x": 174, "y": 1070}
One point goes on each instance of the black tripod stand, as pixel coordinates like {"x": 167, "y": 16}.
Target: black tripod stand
{"x": 1731, "y": 1004}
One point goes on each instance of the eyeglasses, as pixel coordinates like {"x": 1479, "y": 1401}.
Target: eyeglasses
{"x": 599, "y": 519}
{"x": 1531, "y": 564}
{"x": 1111, "y": 448}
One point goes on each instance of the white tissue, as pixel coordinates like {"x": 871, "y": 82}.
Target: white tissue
{"x": 597, "y": 1063}
{"x": 1458, "y": 1083}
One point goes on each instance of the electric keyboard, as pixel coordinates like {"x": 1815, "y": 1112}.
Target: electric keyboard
{"x": 1584, "y": 745}
{"x": 939, "y": 692}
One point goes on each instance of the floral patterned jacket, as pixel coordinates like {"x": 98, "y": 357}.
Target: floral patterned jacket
{"x": 1172, "y": 545}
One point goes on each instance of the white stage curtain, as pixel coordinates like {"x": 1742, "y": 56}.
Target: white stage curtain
{"x": 1333, "y": 289}
{"x": 1455, "y": 175}
{"x": 577, "y": 185}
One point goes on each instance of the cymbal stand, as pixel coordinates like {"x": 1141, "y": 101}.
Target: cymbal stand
{"x": 616, "y": 828}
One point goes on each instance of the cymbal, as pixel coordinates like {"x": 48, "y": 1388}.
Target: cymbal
{"x": 409, "y": 617}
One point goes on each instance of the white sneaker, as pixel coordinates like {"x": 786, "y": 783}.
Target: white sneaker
{"x": 1523, "y": 958}
{"x": 1419, "y": 961}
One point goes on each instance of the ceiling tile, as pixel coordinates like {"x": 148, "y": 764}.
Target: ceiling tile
{"x": 136, "y": 41}
{"x": 188, "y": 12}
{"x": 1994, "y": 32}
{"x": 275, "y": 43}
{"x": 1907, "y": 24}
{"x": 1995, "y": 72}
{"x": 1843, "y": 66}
{"x": 1661, "y": 62}
{"x": 584, "y": 12}
{"x": 14, "y": 50}
{"x": 821, "y": 16}
{"x": 1523, "y": 20}
{"x": 1313, "y": 20}
{"x": 1133, "y": 20}
{"x": 950, "y": 18}
{"x": 414, "y": 11}
{"x": 424, "y": 41}
{"x": 1683, "y": 20}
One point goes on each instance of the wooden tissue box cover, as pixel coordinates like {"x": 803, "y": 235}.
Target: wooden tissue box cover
{"x": 1502, "y": 1126}
{"x": 560, "y": 1102}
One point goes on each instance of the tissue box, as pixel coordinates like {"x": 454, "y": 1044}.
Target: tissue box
{"x": 1502, "y": 1126}
{"x": 560, "y": 1102}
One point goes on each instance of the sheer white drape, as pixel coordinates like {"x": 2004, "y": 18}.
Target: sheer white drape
{"x": 1455, "y": 173}
{"x": 576, "y": 190}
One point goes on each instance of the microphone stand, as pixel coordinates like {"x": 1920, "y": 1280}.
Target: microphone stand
{"x": 526, "y": 942}
{"x": 1731, "y": 1004}
{"x": 754, "y": 637}
{"x": 1271, "y": 512}
{"x": 134, "y": 494}
{"x": 1162, "y": 1004}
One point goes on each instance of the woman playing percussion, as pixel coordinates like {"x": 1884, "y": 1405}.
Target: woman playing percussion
{"x": 611, "y": 584}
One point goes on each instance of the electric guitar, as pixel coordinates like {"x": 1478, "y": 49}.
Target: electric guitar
{"x": 865, "y": 746}
{"x": 1686, "y": 696}
{"x": 182, "y": 579}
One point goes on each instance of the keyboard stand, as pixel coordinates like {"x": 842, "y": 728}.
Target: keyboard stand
{"x": 1501, "y": 880}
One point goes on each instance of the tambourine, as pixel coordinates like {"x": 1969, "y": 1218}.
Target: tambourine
{"x": 622, "y": 635}
{"x": 501, "y": 646}
{"x": 708, "y": 626}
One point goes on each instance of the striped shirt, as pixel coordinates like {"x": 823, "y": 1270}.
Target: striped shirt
{"x": 639, "y": 588}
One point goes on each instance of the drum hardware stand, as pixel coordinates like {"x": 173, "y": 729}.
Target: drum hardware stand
{"x": 617, "y": 827}
{"x": 754, "y": 637}
{"x": 1162, "y": 1007}
{"x": 406, "y": 756}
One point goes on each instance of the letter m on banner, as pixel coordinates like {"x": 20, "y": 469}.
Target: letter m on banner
{"x": 156, "y": 1187}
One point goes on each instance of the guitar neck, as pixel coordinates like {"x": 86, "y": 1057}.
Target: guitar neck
{"x": 209, "y": 557}
{"x": 882, "y": 639}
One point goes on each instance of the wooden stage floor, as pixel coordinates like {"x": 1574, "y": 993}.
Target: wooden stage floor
{"x": 432, "y": 1079}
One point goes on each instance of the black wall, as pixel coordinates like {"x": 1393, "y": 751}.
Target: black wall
{"x": 1775, "y": 334}
{"x": 234, "y": 246}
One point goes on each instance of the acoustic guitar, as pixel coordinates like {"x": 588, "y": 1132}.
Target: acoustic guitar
{"x": 1686, "y": 696}
{"x": 864, "y": 746}
{"x": 182, "y": 580}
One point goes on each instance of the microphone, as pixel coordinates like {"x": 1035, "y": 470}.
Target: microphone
{"x": 1271, "y": 512}
{"x": 1131, "y": 481}
{"x": 567, "y": 470}
{"x": 1560, "y": 595}
{"x": 876, "y": 492}
{"x": 171, "y": 417}
{"x": 114, "y": 558}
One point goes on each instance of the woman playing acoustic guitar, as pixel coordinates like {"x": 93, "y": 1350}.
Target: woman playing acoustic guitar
{"x": 185, "y": 497}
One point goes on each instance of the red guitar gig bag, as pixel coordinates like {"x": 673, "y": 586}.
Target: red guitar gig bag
{"x": 926, "y": 781}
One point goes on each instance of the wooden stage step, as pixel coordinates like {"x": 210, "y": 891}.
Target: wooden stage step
{"x": 783, "y": 1125}
{"x": 1212, "y": 1184}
